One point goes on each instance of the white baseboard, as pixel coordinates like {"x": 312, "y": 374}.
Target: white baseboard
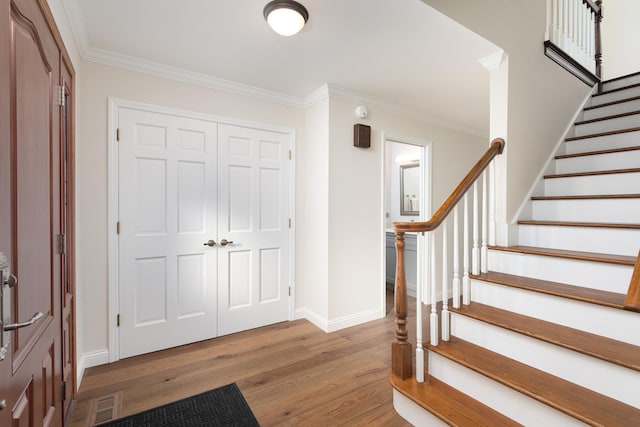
{"x": 341, "y": 322}
{"x": 88, "y": 360}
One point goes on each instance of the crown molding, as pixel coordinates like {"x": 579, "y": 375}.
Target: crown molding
{"x": 78, "y": 28}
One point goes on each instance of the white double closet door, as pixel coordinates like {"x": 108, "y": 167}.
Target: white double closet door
{"x": 204, "y": 239}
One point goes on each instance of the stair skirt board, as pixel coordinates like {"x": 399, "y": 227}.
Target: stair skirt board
{"x": 594, "y": 275}
{"x": 587, "y": 210}
{"x": 606, "y": 161}
{"x": 615, "y": 241}
{"x": 505, "y": 400}
{"x": 596, "y": 319}
{"x": 618, "y": 140}
{"x": 617, "y": 183}
{"x": 606, "y": 378}
{"x": 414, "y": 413}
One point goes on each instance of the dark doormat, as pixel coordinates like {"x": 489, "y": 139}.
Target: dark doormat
{"x": 224, "y": 406}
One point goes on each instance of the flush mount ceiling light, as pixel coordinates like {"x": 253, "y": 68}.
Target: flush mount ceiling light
{"x": 285, "y": 17}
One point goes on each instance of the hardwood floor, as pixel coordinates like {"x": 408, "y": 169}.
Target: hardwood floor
{"x": 291, "y": 374}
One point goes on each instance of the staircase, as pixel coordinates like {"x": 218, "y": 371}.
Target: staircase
{"x": 546, "y": 340}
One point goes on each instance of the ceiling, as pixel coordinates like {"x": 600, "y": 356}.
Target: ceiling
{"x": 398, "y": 52}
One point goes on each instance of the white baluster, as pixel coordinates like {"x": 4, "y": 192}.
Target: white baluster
{"x": 433, "y": 317}
{"x": 419, "y": 285}
{"x": 456, "y": 261}
{"x": 485, "y": 223}
{"x": 492, "y": 203}
{"x": 466, "y": 289}
{"x": 475, "y": 252}
{"x": 445, "y": 285}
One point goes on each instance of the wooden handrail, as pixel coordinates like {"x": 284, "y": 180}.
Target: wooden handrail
{"x": 401, "y": 351}
{"x": 632, "y": 301}
{"x": 497, "y": 145}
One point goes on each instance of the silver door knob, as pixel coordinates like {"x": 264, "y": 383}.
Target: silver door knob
{"x": 11, "y": 281}
{"x": 225, "y": 242}
{"x": 14, "y": 326}
{"x": 210, "y": 243}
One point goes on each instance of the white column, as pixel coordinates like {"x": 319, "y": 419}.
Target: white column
{"x": 456, "y": 261}
{"x": 475, "y": 252}
{"x": 466, "y": 290}
{"x": 485, "y": 223}
{"x": 433, "y": 317}
{"x": 445, "y": 284}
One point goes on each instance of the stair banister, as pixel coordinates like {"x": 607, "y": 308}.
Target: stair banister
{"x": 401, "y": 350}
{"x": 632, "y": 301}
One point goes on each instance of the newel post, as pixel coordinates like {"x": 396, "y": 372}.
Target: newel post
{"x": 598, "y": 58}
{"x": 401, "y": 353}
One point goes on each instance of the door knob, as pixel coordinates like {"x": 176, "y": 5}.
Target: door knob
{"x": 14, "y": 326}
{"x": 225, "y": 242}
{"x": 11, "y": 281}
{"x": 211, "y": 243}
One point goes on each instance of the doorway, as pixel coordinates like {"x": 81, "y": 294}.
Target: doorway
{"x": 407, "y": 198}
{"x": 203, "y": 231}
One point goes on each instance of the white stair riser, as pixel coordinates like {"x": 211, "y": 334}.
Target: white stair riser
{"x": 603, "y": 377}
{"x": 591, "y": 210}
{"x": 618, "y": 83}
{"x": 587, "y": 274}
{"x": 596, "y": 319}
{"x": 414, "y": 413}
{"x": 615, "y": 183}
{"x": 610, "y": 110}
{"x": 619, "y": 140}
{"x": 625, "y": 122}
{"x": 616, "y": 96}
{"x": 609, "y": 161}
{"x": 503, "y": 399}
{"x": 614, "y": 241}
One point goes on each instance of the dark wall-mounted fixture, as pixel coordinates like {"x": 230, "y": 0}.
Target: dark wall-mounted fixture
{"x": 361, "y": 135}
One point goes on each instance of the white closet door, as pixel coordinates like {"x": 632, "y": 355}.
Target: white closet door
{"x": 253, "y": 213}
{"x": 167, "y": 211}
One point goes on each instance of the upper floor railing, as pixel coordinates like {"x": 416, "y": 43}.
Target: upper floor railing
{"x": 573, "y": 37}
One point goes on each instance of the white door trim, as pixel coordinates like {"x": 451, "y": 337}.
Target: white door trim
{"x": 114, "y": 104}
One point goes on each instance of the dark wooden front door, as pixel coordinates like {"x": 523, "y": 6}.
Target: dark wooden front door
{"x": 31, "y": 216}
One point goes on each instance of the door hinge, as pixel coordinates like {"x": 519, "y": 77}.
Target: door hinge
{"x": 118, "y": 227}
{"x": 59, "y": 96}
{"x": 118, "y": 320}
{"x": 118, "y": 134}
{"x": 63, "y": 386}
{"x": 62, "y": 244}
{"x": 289, "y": 222}
{"x": 289, "y": 154}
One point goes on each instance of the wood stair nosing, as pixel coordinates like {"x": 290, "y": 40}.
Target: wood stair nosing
{"x": 603, "y": 348}
{"x": 450, "y": 404}
{"x": 608, "y": 133}
{"x": 563, "y": 290}
{"x": 592, "y": 173}
{"x": 574, "y": 400}
{"x": 611, "y": 117}
{"x": 569, "y": 254}
{"x": 608, "y": 104}
{"x": 588, "y": 197}
{"x": 581, "y": 224}
{"x": 597, "y": 153}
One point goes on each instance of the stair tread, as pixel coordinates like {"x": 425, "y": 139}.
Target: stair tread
{"x": 598, "y": 152}
{"x": 590, "y": 295}
{"x": 568, "y": 254}
{"x": 607, "y": 349}
{"x": 574, "y": 400}
{"x": 625, "y": 76}
{"x": 592, "y": 173}
{"x": 588, "y": 197}
{"x": 581, "y": 224}
{"x": 594, "y": 135}
{"x": 600, "y": 119}
{"x": 608, "y": 104}
{"x": 450, "y": 404}
{"x": 620, "y": 89}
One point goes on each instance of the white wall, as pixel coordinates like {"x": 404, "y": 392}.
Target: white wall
{"x": 99, "y": 82}
{"x": 542, "y": 96}
{"x": 620, "y": 35}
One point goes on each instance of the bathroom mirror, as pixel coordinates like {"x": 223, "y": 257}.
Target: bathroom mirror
{"x": 410, "y": 189}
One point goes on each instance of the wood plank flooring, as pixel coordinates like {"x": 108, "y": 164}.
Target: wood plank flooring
{"x": 291, "y": 373}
